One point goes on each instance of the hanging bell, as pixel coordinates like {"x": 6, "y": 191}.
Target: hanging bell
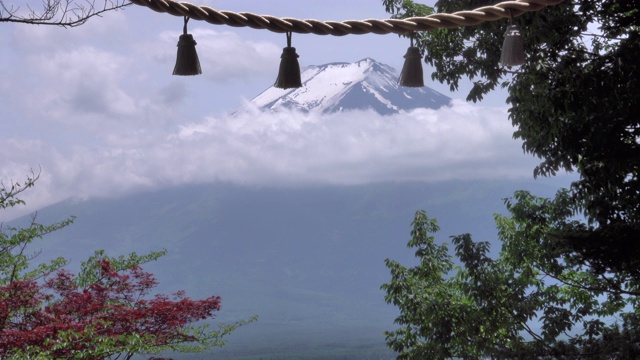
{"x": 187, "y": 62}
{"x": 289, "y": 73}
{"x": 512, "y": 47}
{"x": 411, "y": 74}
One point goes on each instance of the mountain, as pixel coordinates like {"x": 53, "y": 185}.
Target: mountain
{"x": 335, "y": 87}
{"x": 308, "y": 261}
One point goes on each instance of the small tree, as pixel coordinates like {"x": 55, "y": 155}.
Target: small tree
{"x": 529, "y": 302}
{"x": 104, "y": 312}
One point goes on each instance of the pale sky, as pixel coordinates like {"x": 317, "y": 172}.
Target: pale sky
{"x": 97, "y": 110}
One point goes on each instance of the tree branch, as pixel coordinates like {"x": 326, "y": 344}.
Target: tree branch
{"x": 62, "y": 13}
{"x": 614, "y": 290}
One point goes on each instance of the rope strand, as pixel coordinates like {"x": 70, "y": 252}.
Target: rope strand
{"x": 503, "y": 10}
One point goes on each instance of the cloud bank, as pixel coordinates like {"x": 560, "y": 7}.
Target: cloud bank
{"x": 103, "y": 118}
{"x": 462, "y": 141}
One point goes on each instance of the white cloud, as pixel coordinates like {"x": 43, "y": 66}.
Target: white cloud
{"x": 463, "y": 141}
{"x": 88, "y": 81}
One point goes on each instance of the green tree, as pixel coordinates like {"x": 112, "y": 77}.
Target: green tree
{"x": 575, "y": 104}
{"x": 529, "y": 302}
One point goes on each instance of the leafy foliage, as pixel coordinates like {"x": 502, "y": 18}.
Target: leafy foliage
{"x": 574, "y": 102}
{"x": 529, "y": 302}
{"x": 111, "y": 315}
{"x": 106, "y": 311}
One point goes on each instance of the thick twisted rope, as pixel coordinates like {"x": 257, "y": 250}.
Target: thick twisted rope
{"x": 502, "y": 10}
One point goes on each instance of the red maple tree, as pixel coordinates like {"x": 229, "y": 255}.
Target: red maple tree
{"x": 107, "y": 311}
{"x": 64, "y": 320}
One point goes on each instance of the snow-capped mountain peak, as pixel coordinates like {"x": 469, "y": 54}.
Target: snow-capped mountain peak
{"x": 338, "y": 87}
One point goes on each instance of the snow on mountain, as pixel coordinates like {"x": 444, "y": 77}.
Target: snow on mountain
{"x": 335, "y": 87}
